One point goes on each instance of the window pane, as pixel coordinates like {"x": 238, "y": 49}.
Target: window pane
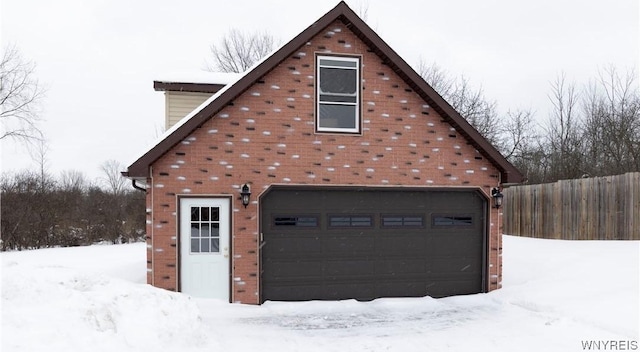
{"x": 204, "y": 230}
{"x": 391, "y": 221}
{"x": 215, "y": 214}
{"x": 341, "y": 63}
{"x": 452, "y": 220}
{"x": 402, "y": 221}
{"x": 295, "y": 221}
{"x": 195, "y": 213}
{"x": 204, "y": 214}
{"x": 340, "y": 221}
{"x": 195, "y": 229}
{"x": 443, "y": 221}
{"x": 336, "y": 80}
{"x": 350, "y": 221}
{"x": 337, "y": 116}
{"x": 307, "y": 222}
{"x": 285, "y": 221}
{"x": 412, "y": 221}
{"x": 215, "y": 230}
{"x": 204, "y": 245}
{"x": 215, "y": 245}
{"x": 195, "y": 245}
{"x": 361, "y": 221}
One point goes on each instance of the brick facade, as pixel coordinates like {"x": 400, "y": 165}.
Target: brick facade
{"x": 266, "y": 136}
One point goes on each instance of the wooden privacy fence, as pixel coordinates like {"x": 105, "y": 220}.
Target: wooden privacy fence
{"x": 599, "y": 208}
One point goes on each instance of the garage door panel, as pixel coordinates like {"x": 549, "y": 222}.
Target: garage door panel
{"x": 400, "y": 266}
{"x": 349, "y": 267}
{"x": 349, "y": 290}
{"x": 294, "y": 291}
{"x": 398, "y": 288}
{"x": 455, "y": 265}
{"x": 401, "y": 244}
{"x": 442, "y": 287}
{"x": 294, "y": 245}
{"x": 366, "y": 244}
{"x": 347, "y": 244}
{"x": 296, "y": 269}
{"x": 456, "y": 244}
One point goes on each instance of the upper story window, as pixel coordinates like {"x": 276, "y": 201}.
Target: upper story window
{"x": 338, "y": 94}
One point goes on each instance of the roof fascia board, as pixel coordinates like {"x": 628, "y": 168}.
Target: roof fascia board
{"x": 187, "y": 87}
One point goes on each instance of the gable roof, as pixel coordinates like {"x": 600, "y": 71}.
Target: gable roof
{"x": 140, "y": 168}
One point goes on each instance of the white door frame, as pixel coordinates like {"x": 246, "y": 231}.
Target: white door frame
{"x": 218, "y": 259}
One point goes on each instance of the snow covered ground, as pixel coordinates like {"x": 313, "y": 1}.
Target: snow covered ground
{"x": 557, "y": 296}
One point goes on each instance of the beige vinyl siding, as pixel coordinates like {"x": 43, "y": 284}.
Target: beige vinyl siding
{"x": 179, "y": 104}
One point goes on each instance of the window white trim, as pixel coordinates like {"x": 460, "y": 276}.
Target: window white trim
{"x": 348, "y": 102}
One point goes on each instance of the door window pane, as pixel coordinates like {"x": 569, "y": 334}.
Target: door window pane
{"x": 195, "y": 229}
{"x": 195, "y": 245}
{"x": 204, "y": 230}
{"x": 204, "y": 213}
{"x": 195, "y": 213}
{"x": 204, "y": 245}
{"x": 215, "y": 245}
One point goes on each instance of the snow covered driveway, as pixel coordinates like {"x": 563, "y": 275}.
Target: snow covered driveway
{"x": 557, "y": 296}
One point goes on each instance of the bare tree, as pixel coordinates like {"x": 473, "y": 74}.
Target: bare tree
{"x": 39, "y": 154}
{"x": 238, "y": 51}
{"x": 612, "y": 122}
{"x": 112, "y": 177}
{"x": 20, "y": 95}
{"x": 564, "y": 131}
{"x": 518, "y": 134}
{"x": 469, "y": 102}
{"x": 439, "y": 79}
{"x": 72, "y": 180}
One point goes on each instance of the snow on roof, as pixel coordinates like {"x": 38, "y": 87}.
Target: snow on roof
{"x": 199, "y": 76}
{"x": 233, "y": 78}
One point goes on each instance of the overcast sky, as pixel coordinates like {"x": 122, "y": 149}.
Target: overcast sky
{"x": 98, "y": 58}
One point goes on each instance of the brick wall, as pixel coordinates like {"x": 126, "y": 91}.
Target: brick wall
{"x": 267, "y": 137}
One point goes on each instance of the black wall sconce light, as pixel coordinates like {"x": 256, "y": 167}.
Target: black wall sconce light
{"x": 245, "y": 193}
{"x": 497, "y": 197}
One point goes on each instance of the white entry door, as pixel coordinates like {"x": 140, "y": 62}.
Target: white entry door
{"x": 204, "y": 247}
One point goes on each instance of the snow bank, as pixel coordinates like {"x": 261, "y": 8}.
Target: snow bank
{"x": 63, "y": 300}
{"x": 557, "y": 295}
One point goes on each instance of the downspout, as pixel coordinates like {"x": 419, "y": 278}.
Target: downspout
{"x": 499, "y": 244}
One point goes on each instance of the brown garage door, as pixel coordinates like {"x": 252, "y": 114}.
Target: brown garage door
{"x": 337, "y": 243}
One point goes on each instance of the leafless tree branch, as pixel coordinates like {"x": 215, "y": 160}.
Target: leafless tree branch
{"x": 238, "y": 51}
{"x": 20, "y": 97}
